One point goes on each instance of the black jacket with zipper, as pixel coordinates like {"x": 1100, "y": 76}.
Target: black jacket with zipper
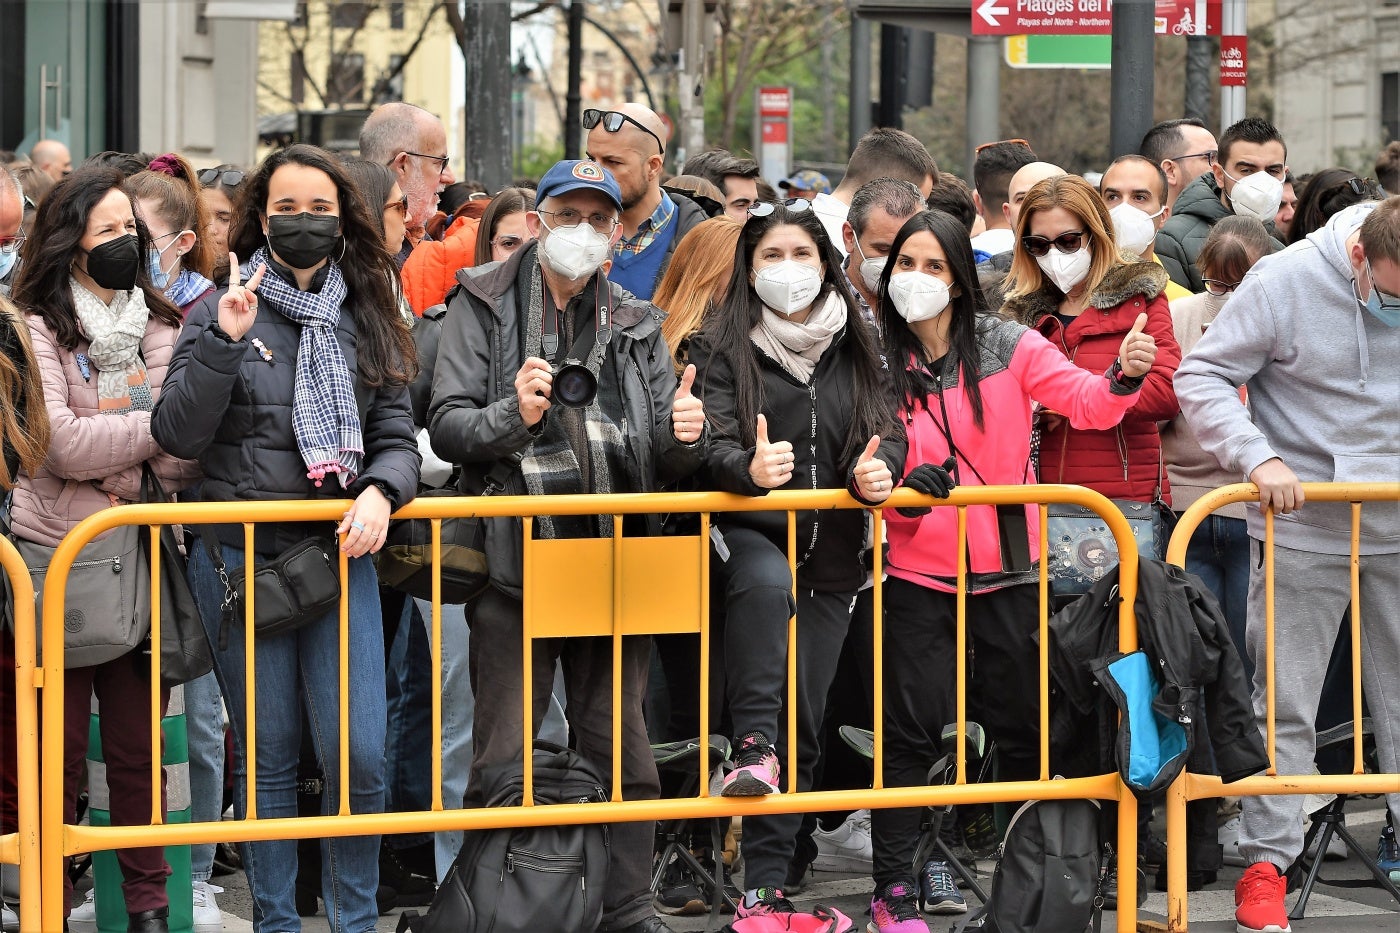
{"x": 815, "y": 418}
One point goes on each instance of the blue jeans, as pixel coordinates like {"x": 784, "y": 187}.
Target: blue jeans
{"x": 1218, "y": 553}
{"x": 458, "y": 713}
{"x": 407, "y": 751}
{"x": 301, "y": 669}
{"x": 204, "y": 724}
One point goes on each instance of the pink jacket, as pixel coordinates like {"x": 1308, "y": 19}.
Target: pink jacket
{"x": 1017, "y": 365}
{"x": 92, "y": 457}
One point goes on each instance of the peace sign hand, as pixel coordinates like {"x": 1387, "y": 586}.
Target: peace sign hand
{"x": 238, "y": 308}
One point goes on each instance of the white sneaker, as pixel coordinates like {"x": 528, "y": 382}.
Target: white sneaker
{"x": 83, "y": 919}
{"x": 1228, "y": 835}
{"x": 207, "y": 916}
{"x": 845, "y": 848}
{"x": 1336, "y": 849}
{"x": 9, "y": 920}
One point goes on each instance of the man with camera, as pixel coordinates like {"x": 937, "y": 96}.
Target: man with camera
{"x": 547, "y": 367}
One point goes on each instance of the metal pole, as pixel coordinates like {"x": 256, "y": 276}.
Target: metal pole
{"x": 573, "y": 113}
{"x": 894, "y": 74}
{"x": 1200, "y": 52}
{"x": 1232, "y": 23}
{"x": 1130, "y": 98}
{"x": 983, "y": 96}
{"x": 489, "y": 117}
{"x": 859, "y": 116}
{"x": 691, "y": 81}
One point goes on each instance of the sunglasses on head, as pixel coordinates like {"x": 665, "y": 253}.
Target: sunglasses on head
{"x": 1003, "y": 142}
{"x": 229, "y": 176}
{"x": 791, "y": 205}
{"x": 1066, "y": 242}
{"x": 1366, "y": 188}
{"x": 613, "y": 121}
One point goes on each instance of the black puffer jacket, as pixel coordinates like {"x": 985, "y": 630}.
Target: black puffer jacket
{"x": 474, "y": 415}
{"x": 230, "y": 409}
{"x": 815, "y": 418}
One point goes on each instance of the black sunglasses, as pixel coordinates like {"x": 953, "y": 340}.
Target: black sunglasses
{"x": 613, "y": 121}
{"x": 791, "y": 205}
{"x": 229, "y": 176}
{"x": 1366, "y": 188}
{"x": 1066, "y": 242}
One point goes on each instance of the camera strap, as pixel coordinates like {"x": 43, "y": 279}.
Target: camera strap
{"x": 587, "y": 338}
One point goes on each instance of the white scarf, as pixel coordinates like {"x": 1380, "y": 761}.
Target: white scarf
{"x": 114, "y": 332}
{"x": 797, "y": 347}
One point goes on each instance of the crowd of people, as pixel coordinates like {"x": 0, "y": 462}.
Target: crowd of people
{"x": 366, "y": 329}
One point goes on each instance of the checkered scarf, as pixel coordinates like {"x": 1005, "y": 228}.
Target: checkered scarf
{"x": 324, "y": 414}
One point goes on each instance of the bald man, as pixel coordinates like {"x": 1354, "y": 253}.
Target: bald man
{"x": 52, "y": 158}
{"x": 413, "y": 143}
{"x": 1024, "y": 180}
{"x": 630, "y": 142}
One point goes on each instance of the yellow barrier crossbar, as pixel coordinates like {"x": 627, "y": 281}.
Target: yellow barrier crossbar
{"x": 621, "y": 605}
{"x": 1190, "y": 786}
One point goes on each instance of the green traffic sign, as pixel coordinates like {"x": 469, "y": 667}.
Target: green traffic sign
{"x": 1059, "y": 51}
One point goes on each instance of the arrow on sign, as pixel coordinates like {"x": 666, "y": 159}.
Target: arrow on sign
{"x": 989, "y": 11}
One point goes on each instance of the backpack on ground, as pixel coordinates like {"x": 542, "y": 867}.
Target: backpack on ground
{"x": 1051, "y": 871}
{"x": 527, "y": 879}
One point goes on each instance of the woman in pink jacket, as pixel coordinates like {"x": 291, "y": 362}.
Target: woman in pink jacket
{"x": 965, "y": 379}
{"x": 102, "y": 338}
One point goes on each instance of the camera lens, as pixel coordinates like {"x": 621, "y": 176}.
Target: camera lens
{"x": 574, "y": 386}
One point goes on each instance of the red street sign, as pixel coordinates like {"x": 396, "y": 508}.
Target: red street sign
{"x": 1234, "y": 61}
{"x": 1188, "y": 17}
{"x": 1042, "y": 17}
{"x": 775, "y": 102}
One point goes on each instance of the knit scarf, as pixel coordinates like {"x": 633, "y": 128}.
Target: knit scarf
{"x": 325, "y": 417}
{"x": 114, "y": 333}
{"x": 797, "y": 347}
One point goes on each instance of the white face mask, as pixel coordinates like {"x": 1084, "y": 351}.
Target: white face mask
{"x": 918, "y": 296}
{"x": 871, "y": 269}
{"x": 1066, "y": 270}
{"x": 574, "y": 252}
{"x": 1133, "y": 228}
{"x": 788, "y": 287}
{"x": 1257, "y": 196}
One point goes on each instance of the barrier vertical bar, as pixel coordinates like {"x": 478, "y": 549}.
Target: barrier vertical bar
{"x": 1270, "y": 685}
{"x": 157, "y": 711}
{"x": 617, "y": 659}
{"x": 26, "y": 738}
{"x": 877, "y": 575}
{"x": 1128, "y": 560}
{"x": 1357, "y": 765}
{"x": 791, "y": 763}
{"x": 962, "y": 645}
{"x": 527, "y": 663}
{"x": 250, "y": 702}
{"x": 51, "y": 829}
{"x": 344, "y": 795}
{"x": 436, "y": 633}
{"x": 1044, "y": 558}
{"x": 704, "y": 595}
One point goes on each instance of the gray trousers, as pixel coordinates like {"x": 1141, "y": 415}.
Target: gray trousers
{"x": 1311, "y": 593}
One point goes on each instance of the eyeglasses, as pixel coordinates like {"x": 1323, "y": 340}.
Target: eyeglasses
{"x": 229, "y": 176}
{"x": 510, "y": 243}
{"x": 1390, "y": 302}
{"x": 399, "y": 207}
{"x": 1067, "y": 242}
{"x": 1219, "y": 288}
{"x": 569, "y": 217}
{"x": 1003, "y": 142}
{"x": 440, "y": 160}
{"x": 1209, "y": 155}
{"x": 791, "y": 205}
{"x": 11, "y": 244}
{"x": 612, "y": 121}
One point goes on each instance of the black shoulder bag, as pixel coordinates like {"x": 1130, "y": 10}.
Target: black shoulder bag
{"x": 295, "y": 588}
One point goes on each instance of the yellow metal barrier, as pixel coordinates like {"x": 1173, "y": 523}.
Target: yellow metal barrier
{"x": 22, "y": 846}
{"x": 1190, "y": 786}
{"x": 618, "y": 591}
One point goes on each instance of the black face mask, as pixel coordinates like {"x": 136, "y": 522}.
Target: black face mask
{"x": 303, "y": 240}
{"x": 115, "y": 263}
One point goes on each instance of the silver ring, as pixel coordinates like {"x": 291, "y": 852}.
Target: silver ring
{"x": 374, "y": 537}
{"x": 358, "y": 526}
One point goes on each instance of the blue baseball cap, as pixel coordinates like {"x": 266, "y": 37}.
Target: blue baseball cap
{"x": 577, "y": 174}
{"x": 807, "y": 180}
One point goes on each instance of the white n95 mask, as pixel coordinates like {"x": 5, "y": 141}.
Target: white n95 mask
{"x": 787, "y": 287}
{"x": 918, "y": 296}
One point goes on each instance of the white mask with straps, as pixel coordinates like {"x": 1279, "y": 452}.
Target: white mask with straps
{"x": 788, "y": 287}
{"x": 1133, "y": 228}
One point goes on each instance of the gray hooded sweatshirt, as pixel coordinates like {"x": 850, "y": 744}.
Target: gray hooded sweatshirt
{"x": 1324, "y": 389}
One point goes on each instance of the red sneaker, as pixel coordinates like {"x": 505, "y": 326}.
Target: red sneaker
{"x": 1259, "y": 900}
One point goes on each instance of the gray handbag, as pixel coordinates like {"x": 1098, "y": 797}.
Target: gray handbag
{"x": 107, "y": 608}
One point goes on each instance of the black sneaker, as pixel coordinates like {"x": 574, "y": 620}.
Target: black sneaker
{"x": 679, "y": 895}
{"x": 979, "y": 827}
{"x": 1152, "y": 852}
{"x": 410, "y": 888}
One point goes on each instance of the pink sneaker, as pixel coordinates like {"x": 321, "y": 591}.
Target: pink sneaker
{"x": 896, "y": 910}
{"x": 756, "y": 773}
{"x": 769, "y": 901}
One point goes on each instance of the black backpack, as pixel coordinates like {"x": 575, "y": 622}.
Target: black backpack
{"x": 527, "y": 879}
{"x": 1051, "y": 871}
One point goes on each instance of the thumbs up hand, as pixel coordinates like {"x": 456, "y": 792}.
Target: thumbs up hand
{"x": 687, "y": 411}
{"x": 772, "y": 463}
{"x": 872, "y": 476}
{"x": 1138, "y": 350}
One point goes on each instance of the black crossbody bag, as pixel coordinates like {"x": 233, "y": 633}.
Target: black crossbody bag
{"x": 295, "y": 588}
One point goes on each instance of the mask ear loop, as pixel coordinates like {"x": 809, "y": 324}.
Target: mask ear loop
{"x": 343, "y": 245}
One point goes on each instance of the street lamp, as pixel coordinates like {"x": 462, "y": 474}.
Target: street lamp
{"x": 520, "y": 93}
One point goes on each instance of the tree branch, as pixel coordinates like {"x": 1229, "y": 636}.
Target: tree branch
{"x": 381, "y": 86}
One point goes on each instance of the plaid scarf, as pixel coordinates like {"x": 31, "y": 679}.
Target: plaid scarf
{"x": 324, "y": 413}
{"x": 186, "y": 287}
{"x": 114, "y": 332}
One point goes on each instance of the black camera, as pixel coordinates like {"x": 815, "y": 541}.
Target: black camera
{"x": 574, "y": 385}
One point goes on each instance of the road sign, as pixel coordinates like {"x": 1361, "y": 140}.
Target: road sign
{"x": 1234, "y": 61}
{"x": 1059, "y": 51}
{"x": 773, "y": 141}
{"x": 1042, "y": 17}
{"x": 1188, "y": 18}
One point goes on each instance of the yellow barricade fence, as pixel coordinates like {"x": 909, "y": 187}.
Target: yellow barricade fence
{"x": 620, "y": 586}
{"x": 1190, "y": 786}
{"x": 22, "y": 846}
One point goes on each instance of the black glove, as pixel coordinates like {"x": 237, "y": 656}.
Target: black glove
{"x": 931, "y": 480}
